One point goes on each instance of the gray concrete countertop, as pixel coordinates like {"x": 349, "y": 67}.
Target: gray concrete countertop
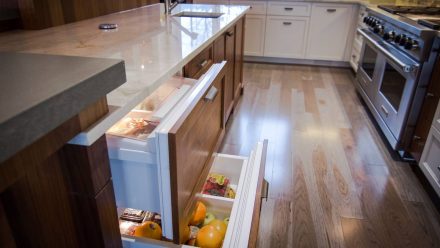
{"x": 39, "y": 92}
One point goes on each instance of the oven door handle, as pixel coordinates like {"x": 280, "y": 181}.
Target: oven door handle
{"x": 405, "y": 67}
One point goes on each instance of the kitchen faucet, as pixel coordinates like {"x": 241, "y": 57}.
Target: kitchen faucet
{"x": 170, "y": 5}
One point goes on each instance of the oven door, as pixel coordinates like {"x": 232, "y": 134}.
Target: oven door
{"x": 367, "y": 70}
{"x": 396, "y": 86}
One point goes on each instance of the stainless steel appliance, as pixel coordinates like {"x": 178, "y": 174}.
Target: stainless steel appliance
{"x": 394, "y": 69}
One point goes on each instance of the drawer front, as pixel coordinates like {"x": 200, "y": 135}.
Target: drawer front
{"x": 288, "y": 9}
{"x": 200, "y": 64}
{"x": 430, "y": 161}
{"x": 190, "y": 139}
{"x": 256, "y": 7}
{"x": 285, "y": 37}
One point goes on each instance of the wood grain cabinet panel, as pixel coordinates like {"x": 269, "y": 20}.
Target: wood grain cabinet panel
{"x": 192, "y": 143}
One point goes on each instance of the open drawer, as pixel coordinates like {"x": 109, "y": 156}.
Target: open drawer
{"x": 159, "y": 169}
{"x": 245, "y": 174}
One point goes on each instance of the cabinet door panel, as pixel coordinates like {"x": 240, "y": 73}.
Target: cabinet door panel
{"x": 186, "y": 142}
{"x": 238, "y": 64}
{"x": 254, "y": 35}
{"x": 285, "y": 37}
{"x": 329, "y": 28}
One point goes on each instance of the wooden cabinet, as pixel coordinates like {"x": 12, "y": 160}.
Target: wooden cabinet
{"x": 285, "y": 37}
{"x": 329, "y": 30}
{"x": 254, "y": 35}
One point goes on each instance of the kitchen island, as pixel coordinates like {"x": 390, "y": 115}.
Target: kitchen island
{"x": 205, "y": 54}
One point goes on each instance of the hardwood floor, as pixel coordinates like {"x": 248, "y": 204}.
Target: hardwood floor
{"x": 332, "y": 180}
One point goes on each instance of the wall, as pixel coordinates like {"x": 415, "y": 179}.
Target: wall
{"x": 39, "y": 14}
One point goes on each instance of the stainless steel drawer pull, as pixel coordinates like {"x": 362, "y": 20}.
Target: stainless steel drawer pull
{"x": 229, "y": 33}
{"x": 384, "y": 110}
{"x": 331, "y": 10}
{"x": 288, "y": 9}
{"x": 429, "y": 94}
{"x": 212, "y": 93}
{"x": 287, "y": 23}
{"x": 205, "y": 62}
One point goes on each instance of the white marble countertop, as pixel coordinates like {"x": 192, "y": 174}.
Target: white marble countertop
{"x": 154, "y": 47}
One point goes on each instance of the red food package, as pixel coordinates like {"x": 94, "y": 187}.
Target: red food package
{"x": 216, "y": 185}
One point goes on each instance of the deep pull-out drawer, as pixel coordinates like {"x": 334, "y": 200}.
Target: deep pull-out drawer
{"x": 245, "y": 175}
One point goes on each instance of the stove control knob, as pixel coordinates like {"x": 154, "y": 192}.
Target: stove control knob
{"x": 404, "y": 40}
{"x": 378, "y": 29}
{"x": 398, "y": 37}
{"x": 389, "y": 36}
{"x": 411, "y": 44}
{"x": 366, "y": 19}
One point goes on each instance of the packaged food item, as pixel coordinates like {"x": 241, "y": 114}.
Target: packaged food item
{"x": 132, "y": 127}
{"x": 230, "y": 192}
{"x": 134, "y": 215}
{"x": 194, "y": 230}
{"x": 216, "y": 185}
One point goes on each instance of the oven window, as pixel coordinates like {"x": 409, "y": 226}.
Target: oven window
{"x": 369, "y": 61}
{"x": 392, "y": 86}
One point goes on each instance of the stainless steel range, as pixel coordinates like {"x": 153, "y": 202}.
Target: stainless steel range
{"x": 396, "y": 62}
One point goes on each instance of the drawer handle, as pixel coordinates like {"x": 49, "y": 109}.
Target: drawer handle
{"x": 438, "y": 168}
{"x": 229, "y": 33}
{"x": 384, "y": 110}
{"x": 331, "y": 10}
{"x": 287, "y": 23}
{"x": 212, "y": 93}
{"x": 288, "y": 9}
{"x": 204, "y": 63}
{"x": 429, "y": 95}
{"x": 265, "y": 189}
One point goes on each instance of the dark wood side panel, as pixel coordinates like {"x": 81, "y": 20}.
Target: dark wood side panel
{"x": 38, "y": 208}
{"x": 426, "y": 114}
{"x": 258, "y": 199}
{"x": 88, "y": 168}
{"x": 39, "y": 14}
{"x": 192, "y": 143}
{"x": 6, "y": 237}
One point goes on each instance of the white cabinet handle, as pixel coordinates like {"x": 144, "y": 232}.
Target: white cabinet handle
{"x": 331, "y": 10}
{"x": 287, "y": 23}
{"x": 212, "y": 93}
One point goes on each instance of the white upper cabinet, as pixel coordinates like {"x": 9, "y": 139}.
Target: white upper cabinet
{"x": 285, "y": 36}
{"x": 329, "y": 31}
